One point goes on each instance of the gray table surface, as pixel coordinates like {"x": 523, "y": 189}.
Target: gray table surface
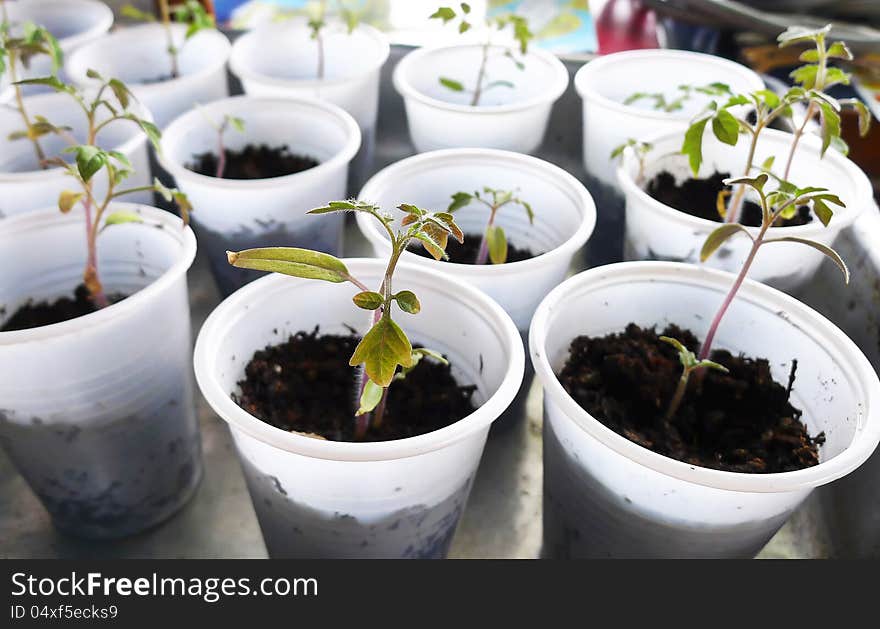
{"x": 503, "y": 517}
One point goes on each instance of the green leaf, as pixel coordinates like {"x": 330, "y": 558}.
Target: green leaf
{"x": 768, "y": 163}
{"x": 717, "y": 238}
{"x": 839, "y": 50}
{"x": 451, "y": 84}
{"x": 303, "y": 263}
{"x": 805, "y": 75}
{"x": 408, "y": 302}
{"x": 436, "y": 249}
{"x": 685, "y": 356}
{"x": 464, "y": 27}
{"x": 863, "y": 112}
{"x": 443, "y": 13}
{"x": 828, "y": 251}
{"x": 794, "y": 34}
{"x": 725, "y": 127}
{"x": 497, "y": 242}
{"x": 134, "y": 13}
{"x": 711, "y": 364}
{"x": 459, "y": 200}
{"x": 122, "y": 216}
{"x": 236, "y": 123}
{"x": 67, "y": 199}
{"x": 121, "y": 92}
{"x": 465, "y": 8}
{"x": 823, "y": 212}
{"x": 370, "y": 397}
{"x": 693, "y": 144}
{"x": 368, "y": 300}
{"x": 836, "y": 76}
{"x": 89, "y": 160}
{"x": 382, "y": 349}
{"x": 830, "y": 124}
{"x": 757, "y": 183}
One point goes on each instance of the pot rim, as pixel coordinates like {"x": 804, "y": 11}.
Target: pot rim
{"x": 257, "y": 103}
{"x": 218, "y": 324}
{"x": 843, "y": 217}
{"x": 128, "y": 147}
{"x": 586, "y": 73}
{"x": 867, "y": 433}
{"x": 171, "y": 228}
{"x": 574, "y": 189}
{"x": 141, "y": 31}
{"x": 557, "y": 86}
{"x": 242, "y": 69}
{"x": 100, "y": 27}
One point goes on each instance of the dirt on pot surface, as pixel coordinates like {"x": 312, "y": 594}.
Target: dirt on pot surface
{"x": 737, "y": 422}
{"x": 466, "y": 252}
{"x": 698, "y": 197}
{"x": 306, "y": 385}
{"x": 253, "y": 162}
{"x": 37, "y": 314}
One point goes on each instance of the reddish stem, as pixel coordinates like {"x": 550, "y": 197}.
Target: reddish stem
{"x": 722, "y": 310}
{"x": 221, "y": 156}
{"x": 483, "y": 253}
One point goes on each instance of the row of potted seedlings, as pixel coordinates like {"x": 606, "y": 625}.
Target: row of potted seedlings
{"x": 380, "y": 392}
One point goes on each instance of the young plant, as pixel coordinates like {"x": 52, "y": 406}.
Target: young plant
{"x": 660, "y": 102}
{"x": 812, "y": 81}
{"x": 640, "y": 149}
{"x": 521, "y": 34}
{"x": 90, "y": 160}
{"x": 228, "y": 121}
{"x": 14, "y": 50}
{"x": 190, "y": 12}
{"x": 778, "y": 203}
{"x": 689, "y": 364}
{"x": 493, "y": 246}
{"x": 317, "y": 23}
{"x": 385, "y": 346}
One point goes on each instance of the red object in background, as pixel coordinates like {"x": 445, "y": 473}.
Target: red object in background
{"x": 625, "y": 25}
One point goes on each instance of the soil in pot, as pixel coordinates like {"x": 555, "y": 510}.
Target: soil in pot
{"x": 253, "y": 162}
{"x": 37, "y": 314}
{"x": 698, "y": 197}
{"x": 738, "y": 422}
{"x": 306, "y": 385}
{"x": 466, "y": 252}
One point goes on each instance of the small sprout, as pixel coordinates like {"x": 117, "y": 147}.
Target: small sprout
{"x": 90, "y": 159}
{"x": 384, "y": 353}
{"x": 689, "y": 365}
{"x": 660, "y": 102}
{"x": 228, "y": 121}
{"x": 318, "y": 21}
{"x": 811, "y": 83}
{"x": 190, "y": 12}
{"x": 493, "y": 247}
{"x": 521, "y": 34}
{"x": 640, "y": 149}
{"x": 20, "y": 50}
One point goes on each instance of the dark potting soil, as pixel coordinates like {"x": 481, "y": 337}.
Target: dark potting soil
{"x": 306, "y": 385}
{"x": 698, "y": 197}
{"x": 466, "y": 252}
{"x": 253, "y": 162}
{"x": 37, "y": 314}
{"x": 738, "y": 422}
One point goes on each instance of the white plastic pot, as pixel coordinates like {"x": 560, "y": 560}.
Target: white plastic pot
{"x": 235, "y": 214}
{"x": 24, "y": 186}
{"x": 659, "y": 232}
{"x": 605, "y": 496}
{"x": 281, "y": 60}
{"x": 74, "y": 23}
{"x": 508, "y": 118}
{"x": 401, "y": 498}
{"x": 565, "y": 216}
{"x": 139, "y": 55}
{"x": 98, "y": 413}
{"x": 606, "y": 82}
